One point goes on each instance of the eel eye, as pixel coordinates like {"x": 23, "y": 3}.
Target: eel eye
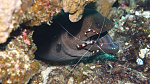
{"x": 97, "y": 25}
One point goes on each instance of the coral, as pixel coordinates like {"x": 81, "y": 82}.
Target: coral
{"x": 35, "y": 12}
{"x": 42, "y": 11}
{"x": 115, "y": 13}
{"x": 136, "y": 30}
{"x": 95, "y": 72}
{"x": 131, "y": 32}
{"x": 132, "y": 35}
{"x": 6, "y": 24}
{"x": 130, "y": 8}
{"x": 17, "y": 64}
{"x": 25, "y": 12}
{"x": 105, "y": 6}
{"x": 75, "y": 8}
{"x": 132, "y": 65}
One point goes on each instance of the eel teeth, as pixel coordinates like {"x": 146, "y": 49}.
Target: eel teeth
{"x": 85, "y": 44}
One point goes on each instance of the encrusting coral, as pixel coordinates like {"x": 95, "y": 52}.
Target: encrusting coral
{"x": 16, "y": 62}
{"x": 35, "y": 12}
{"x": 6, "y": 10}
{"x": 75, "y": 8}
{"x": 105, "y": 6}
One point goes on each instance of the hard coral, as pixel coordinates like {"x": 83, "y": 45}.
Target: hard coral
{"x": 130, "y": 8}
{"x": 25, "y": 12}
{"x": 135, "y": 29}
{"x": 75, "y": 8}
{"x": 35, "y": 12}
{"x": 6, "y": 24}
{"x": 16, "y": 62}
{"x": 105, "y": 6}
{"x": 42, "y": 11}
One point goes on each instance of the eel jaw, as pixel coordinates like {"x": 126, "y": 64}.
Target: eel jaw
{"x": 107, "y": 45}
{"x": 102, "y": 43}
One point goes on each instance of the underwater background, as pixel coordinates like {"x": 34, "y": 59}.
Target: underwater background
{"x": 21, "y": 18}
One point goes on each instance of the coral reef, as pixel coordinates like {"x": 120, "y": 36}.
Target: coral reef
{"x": 6, "y": 10}
{"x": 130, "y": 8}
{"x": 131, "y": 32}
{"x": 105, "y": 6}
{"x": 75, "y": 8}
{"x": 16, "y": 62}
{"x": 96, "y": 72}
{"x": 136, "y": 28}
{"x": 42, "y": 11}
{"x": 36, "y": 12}
{"x": 115, "y": 13}
{"x": 26, "y": 11}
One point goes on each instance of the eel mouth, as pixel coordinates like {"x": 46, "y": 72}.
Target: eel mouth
{"x": 102, "y": 43}
{"x": 96, "y": 36}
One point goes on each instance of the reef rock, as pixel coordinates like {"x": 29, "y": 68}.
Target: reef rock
{"x": 17, "y": 65}
{"x": 75, "y": 8}
{"x": 35, "y": 12}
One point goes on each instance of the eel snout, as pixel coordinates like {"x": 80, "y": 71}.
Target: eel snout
{"x": 100, "y": 25}
{"x": 104, "y": 43}
{"x": 107, "y": 45}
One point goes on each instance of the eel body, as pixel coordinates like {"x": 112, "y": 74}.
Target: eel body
{"x": 64, "y": 40}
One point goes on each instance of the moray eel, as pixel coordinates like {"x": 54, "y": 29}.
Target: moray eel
{"x": 64, "y": 40}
